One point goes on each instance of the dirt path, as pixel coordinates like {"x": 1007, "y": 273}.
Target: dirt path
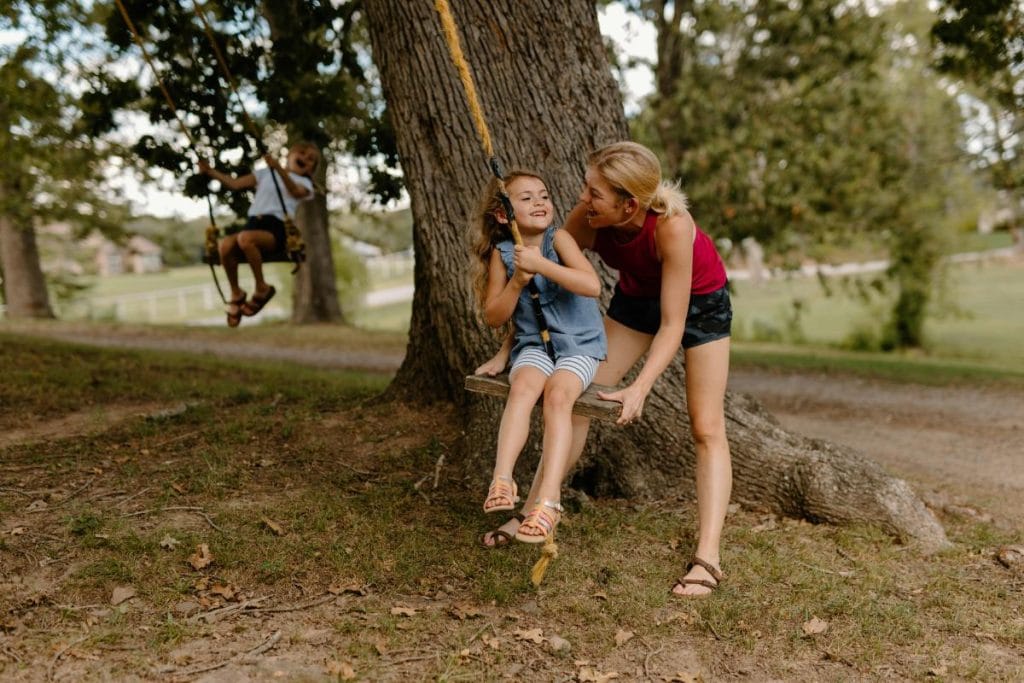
{"x": 964, "y": 444}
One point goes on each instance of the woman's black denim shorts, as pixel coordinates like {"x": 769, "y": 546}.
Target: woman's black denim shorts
{"x": 269, "y": 223}
{"x": 708, "y": 319}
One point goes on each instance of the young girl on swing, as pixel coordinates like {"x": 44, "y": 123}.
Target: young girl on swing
{"x": 264, "y": 231}
{"x": 568, "y": 287}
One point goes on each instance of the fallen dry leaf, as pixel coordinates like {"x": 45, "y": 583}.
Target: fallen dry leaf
{"x": 534, "y": 635}
{"x": 342, "y": 670}
{"x": 226, "y": 591}
{"x": 18, "y": 531}
{"x": 403, "y": 611}
{"x": 273, "y": 526}
{"x": 168, "y": 542}
{"x": 121, "y": 594}
{"x": 587, "y": 674}
{"x": 687, "y": 677}
{"x": 342, "y": 588}
{"x": 622, "y": 637}
{"x": 1011, "y": 556}
{"x": 815, "y": 626}
{"x": 463, "y": 612}
{"x": 202, "y": 583}
{"x": 178, "y": 488}
{"x": 492, "y": 642}
{"x": 600, "y": 595}
{"x": 201, "y": 558}
{"x": 941, "y": 670}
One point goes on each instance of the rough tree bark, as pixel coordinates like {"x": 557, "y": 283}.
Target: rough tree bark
{"x": 316, "y": 292}
{"x": 549, "y": 97}
{"x": 25, "y": 292}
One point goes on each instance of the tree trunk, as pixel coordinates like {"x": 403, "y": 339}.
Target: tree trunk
{"x": 316, "y": 292}
{"x": 549, "y": 97}
{"x": 24, "y": 285}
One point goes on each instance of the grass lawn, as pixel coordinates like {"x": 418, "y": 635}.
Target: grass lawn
{"x": 163, "y": 515}
{"x": 981, "y": 322}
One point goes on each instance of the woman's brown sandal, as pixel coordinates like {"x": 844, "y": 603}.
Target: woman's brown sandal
{"x": 539, "y": 518}
{"x": 499, "y": 537}
{"x": 502, "y": 489}
{"x": 716, "y": 574}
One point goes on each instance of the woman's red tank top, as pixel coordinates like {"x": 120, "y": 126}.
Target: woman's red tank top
{"x": 640, "y": 269}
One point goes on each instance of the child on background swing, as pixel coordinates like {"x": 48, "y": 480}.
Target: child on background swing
{"x": 264, "y": 231}
{"x": 568, "y": 287}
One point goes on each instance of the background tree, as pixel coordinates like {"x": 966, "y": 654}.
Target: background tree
{"x": 550, "y": 98}
{"x": 790, "y": 123}
{"x": 983, "y": 43}
{"x": 299, "y": 73}
{"x": 52, "y": 147}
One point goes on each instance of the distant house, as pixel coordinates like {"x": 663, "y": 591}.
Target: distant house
{"x": 144, "y": 256}
{"x": 139, "y": 255}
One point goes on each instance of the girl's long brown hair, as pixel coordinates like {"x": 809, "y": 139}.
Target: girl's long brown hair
{"x": 489, "y": 231}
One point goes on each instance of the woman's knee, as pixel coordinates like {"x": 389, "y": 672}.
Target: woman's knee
{"x": 708, "y": 429}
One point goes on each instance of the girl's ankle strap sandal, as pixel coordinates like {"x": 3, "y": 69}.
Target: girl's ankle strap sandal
{"x": 544, "y": 517}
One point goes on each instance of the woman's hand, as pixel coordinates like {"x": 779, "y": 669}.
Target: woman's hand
{"x": 632, "y": 399}
{"x": 493, "y": 366}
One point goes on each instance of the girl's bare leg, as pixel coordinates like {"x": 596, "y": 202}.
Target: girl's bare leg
{"x": 255, "y": 243}
{"x": 525, "y": 386}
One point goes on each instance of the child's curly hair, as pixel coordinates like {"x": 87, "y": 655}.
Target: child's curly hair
{"x": 490, "y": 231}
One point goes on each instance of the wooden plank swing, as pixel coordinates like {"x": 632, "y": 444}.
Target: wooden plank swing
{"x": 587, "y": 405}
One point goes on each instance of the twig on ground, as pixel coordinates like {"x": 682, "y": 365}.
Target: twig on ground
{"x": 60, "y": 653}
{"x": 417, "y": 486}
{"x": 354, "y": 469}
{"x": 255, "y": 652}
{"x": 647, "y": 659}
{"x": 134, "y": 495}
{"x": 844, "y": 574}
{"x": 18, "y": 491}
{"x": 179, "y": 437}
{"x": 70, "y": 496}
{"x": 183, "y": 508}
{"x": 437, "y": 469}
{"x": 294, "y": 608}
{"x": 215, "y": 614}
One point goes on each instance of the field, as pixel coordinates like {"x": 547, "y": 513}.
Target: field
{"x": 191, "y": 503}
{"x": 172, "y": 516}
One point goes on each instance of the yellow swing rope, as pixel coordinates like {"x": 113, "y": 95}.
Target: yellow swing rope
{"x": 451, "y": 35}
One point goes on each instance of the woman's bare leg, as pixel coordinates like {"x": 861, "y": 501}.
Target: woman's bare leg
{"x": 707, "y": 372}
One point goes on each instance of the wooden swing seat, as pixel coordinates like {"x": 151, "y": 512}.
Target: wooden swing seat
{"x": 587, "y": 405}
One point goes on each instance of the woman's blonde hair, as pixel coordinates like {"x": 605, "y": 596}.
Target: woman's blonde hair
{"x": 489, "y": 230}
{"x": 634, "y": 171}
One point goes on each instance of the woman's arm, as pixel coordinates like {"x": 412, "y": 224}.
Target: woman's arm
{"x": 231, "y": 182}
{"x": 502, "y": 294}
{"x": 575, "y": 273}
